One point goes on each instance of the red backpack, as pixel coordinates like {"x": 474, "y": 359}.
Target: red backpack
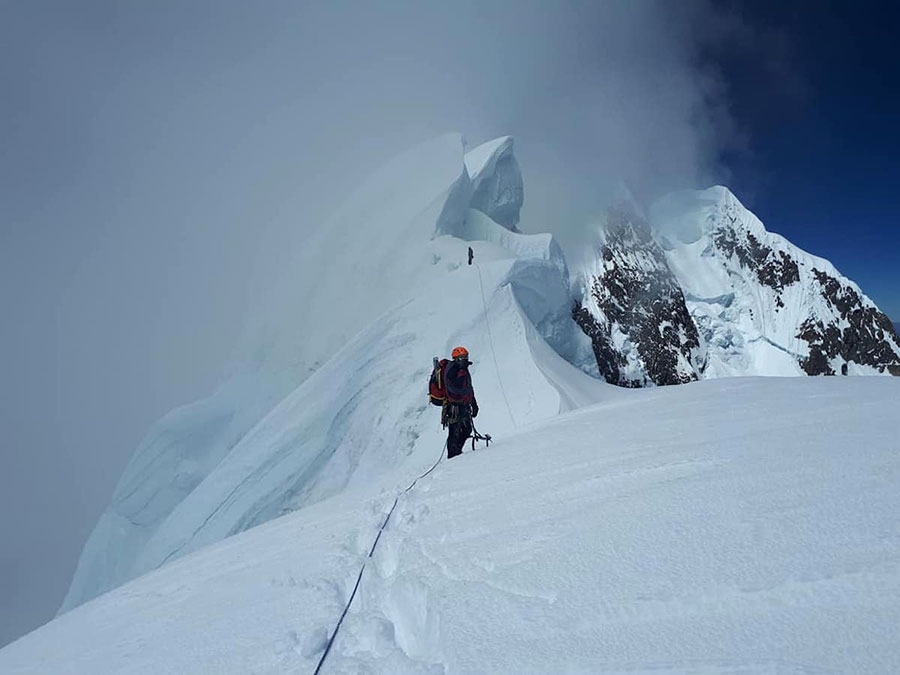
{"x": 437, "y": 392}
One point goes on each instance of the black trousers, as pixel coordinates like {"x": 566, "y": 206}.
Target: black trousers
{"x": 459, "y": 423}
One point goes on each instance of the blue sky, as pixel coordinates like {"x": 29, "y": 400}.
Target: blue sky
{"x": 160, "y": 160}
{"x": 823, "y": 163}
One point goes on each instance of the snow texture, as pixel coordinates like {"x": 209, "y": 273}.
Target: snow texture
{"x": 726, "y": 526}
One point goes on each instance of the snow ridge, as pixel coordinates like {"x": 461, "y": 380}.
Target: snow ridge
{"x": 317, "y": 412}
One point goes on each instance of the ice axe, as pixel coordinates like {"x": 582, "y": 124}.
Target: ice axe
{"x": 476, "y": 436}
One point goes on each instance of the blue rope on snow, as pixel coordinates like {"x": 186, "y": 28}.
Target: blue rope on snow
{"x": 368, "y": 557}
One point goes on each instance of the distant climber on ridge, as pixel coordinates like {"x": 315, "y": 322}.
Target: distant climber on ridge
{"x": 451, "y": 388}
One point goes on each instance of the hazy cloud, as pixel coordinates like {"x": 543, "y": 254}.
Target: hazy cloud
{"x": 159, "y": 160}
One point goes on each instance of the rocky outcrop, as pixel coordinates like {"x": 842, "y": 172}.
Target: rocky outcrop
{"x": 857, "y": 333}
{"x": 774, "y": 269}
{"x": 633, "y": 310}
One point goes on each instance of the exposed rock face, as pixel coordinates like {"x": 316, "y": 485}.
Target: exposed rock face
{"x": 633, "y": 309}
{"x": 858, "y": 333}
{"x": 777, "y": 270}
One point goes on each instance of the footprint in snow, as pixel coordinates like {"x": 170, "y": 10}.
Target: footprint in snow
{"x": 314, "y": 643}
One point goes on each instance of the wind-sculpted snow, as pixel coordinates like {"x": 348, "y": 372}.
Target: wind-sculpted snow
{"x": 497, "y": 188}
{"x": 358, "y": 264}
{"x": 540, "y": 282}
{"x": 336, "y": 394}
{"x": 176, "y": 456}
{"x": 734, "y": 526}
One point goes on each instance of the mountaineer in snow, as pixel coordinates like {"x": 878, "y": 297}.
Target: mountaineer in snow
{"x": 450, "y": 387}
{"x": 461, "y": 405}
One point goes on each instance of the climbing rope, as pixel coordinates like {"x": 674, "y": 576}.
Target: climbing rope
{"x": 493, "y": 351}
{"x": 475, "y": 436}
{"x": 368, "y": 557}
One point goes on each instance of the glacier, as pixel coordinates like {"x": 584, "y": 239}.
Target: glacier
{"x": 631, "y": 306}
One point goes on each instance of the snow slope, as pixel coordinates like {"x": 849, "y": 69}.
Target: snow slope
{"x": 739, "y": 525}
{"x": 335, "y": 393}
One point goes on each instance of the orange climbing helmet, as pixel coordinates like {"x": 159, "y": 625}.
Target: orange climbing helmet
{"x": 460, "y": 353}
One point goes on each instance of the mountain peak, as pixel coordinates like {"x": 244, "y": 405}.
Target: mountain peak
{"x": 685, "y": 216}
{"x": 763, "y": 305}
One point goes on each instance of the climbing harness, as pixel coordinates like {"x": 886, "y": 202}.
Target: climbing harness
{"x": 369, "y": 557}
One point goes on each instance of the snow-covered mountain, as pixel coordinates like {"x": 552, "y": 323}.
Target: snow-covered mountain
{"x": 763, "y": 305}
{"x": 756, "y": 304}
{"x": 329, "y": 395}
